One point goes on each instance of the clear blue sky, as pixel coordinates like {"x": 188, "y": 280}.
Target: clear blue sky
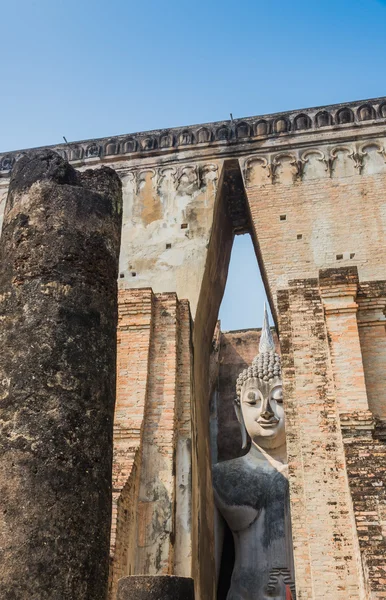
{"x": 93, "y": 68}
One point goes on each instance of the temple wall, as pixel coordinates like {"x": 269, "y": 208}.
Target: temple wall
{"x": 167, "y": 218}
{"x": 319, "y": 208}
{"x": 124, "y": 525}
{"x": 133, "y": 342}
{"x": 183, "y": 458}
{"x": 166, "y": 223}
{"x": 299, "y": 169}
{"x": 363, "y": 437}
{"x": 309, "y": 186}
{"x": 212, "y": 289}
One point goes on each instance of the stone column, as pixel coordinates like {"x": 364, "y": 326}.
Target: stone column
{"x": 326, "y": 553}
{"x": 338, "y": 289}
{"x": 153, "y": 587}
{"x": 356, "y": 329}
{"x": 152, "y": 443}
{"x": 58, "y": 310}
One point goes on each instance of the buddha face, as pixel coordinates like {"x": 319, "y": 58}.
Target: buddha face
{"x": 261, "y": 410}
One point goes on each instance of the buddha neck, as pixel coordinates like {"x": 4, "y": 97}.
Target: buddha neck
{"x": 277, "y": 457}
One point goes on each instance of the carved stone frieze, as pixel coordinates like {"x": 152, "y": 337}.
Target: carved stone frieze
{"x": 207, "y": 173}
{"x": 285, "y": 167}
{"x": 257, "y": 171}
{"x": 187, "y": 179}
{"x": 346, "y": 158}
{"x": 342, "y": 160}
{"x": 142, "y": 176}
{"x": 93, "y": 150}
{"x": 182, "y": 179}
{"x": 237, "y": 131}
{"x": 314, "y": 164}
{"x": 166, "y": 177}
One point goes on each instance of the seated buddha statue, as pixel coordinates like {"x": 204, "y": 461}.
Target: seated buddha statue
{"x": 251, "y": 492}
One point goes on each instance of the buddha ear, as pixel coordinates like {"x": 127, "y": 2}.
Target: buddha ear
{"x": 240, "y": 418}
{"x": 239, "y": 414}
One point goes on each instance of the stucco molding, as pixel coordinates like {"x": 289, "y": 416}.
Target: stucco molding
{"x": 348, "y": 118}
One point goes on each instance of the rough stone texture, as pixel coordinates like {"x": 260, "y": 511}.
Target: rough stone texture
{"x": 58, "y": 305}
{"x": 152, "y": 451}
{"x": 156, "y": 588}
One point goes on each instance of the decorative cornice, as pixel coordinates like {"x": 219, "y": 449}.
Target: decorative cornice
{"x": 337, "y": 117}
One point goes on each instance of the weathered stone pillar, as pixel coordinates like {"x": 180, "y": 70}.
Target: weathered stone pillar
{"x": 58, "y": 310}
{"x": 326, "y": 553}
{"x": 357, "y": 344}
{"x": 151, "y": 531}
{"x": 153, "y": 587}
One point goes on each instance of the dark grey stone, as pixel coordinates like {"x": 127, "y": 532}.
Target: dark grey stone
{"x": 58, "y": 311}
{"x": 155, "y": 587}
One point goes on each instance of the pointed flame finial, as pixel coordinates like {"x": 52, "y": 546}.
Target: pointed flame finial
{"x": 266, "y": 365}
{"x": 266, "y": 340}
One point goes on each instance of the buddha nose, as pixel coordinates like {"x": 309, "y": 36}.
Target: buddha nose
{"x": 266, "y": 409}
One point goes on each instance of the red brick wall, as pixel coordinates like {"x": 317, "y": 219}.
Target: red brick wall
{"x": 327, "y": 562}
{"x": 124, "y": 526}
{"x": 152, "y": 460}
{"x": 357, "y": 357}
{"x": 133, "y": 340}
{"x": 336, "y": 216}
{"x": 371, "y": 300}
{"x": 337, "y": 457}
{"x": 365, "y": 450}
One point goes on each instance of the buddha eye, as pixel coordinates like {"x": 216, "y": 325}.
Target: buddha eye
{"x": 277, "y": 394}
{"x": 251, "y": 398}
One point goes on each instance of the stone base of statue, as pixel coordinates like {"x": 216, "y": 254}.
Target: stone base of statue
{"x": 155, "y": 587}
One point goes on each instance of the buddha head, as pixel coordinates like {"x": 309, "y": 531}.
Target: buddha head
{"x": 259, "y": 401}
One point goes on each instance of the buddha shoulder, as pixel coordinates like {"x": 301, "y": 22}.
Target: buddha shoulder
{"x": 237, "y": 483}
